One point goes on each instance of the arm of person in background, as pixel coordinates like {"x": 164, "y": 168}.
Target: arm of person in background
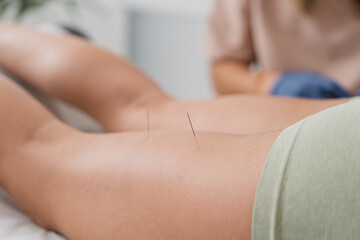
{"x": 233, "y": 77}
{"x": 229, "y": 45}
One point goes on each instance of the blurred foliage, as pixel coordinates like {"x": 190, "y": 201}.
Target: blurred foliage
{"x": 22, "y": 7}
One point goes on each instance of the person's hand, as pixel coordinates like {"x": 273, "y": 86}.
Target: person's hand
{"x": 307, "y": 85}
{"x": 264, "y": 82}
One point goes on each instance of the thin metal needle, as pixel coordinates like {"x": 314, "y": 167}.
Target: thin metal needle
{"x": 148, "y": 121}
{"x": 193, "y": 131}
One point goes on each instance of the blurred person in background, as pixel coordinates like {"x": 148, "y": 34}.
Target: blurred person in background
{"x": 305, "y": 48}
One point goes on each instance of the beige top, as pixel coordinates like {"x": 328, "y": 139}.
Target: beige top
{"x": 279, "y": 37}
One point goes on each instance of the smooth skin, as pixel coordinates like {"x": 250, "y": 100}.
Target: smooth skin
{"x": 129, "y": 185}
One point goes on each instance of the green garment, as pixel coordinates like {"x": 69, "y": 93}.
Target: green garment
{"x": 310, "y": 185}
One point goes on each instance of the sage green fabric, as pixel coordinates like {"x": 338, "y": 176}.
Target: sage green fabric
{"x": 310, "y": 185}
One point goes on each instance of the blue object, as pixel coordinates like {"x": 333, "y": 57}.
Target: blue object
{"x": 358, "y": 93}
{"x": 308, "y": 85}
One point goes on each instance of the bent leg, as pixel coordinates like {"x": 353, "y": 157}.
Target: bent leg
{"x": 21, "y": 116}
{"x": 129, "y": 186}
{"x": 102, "y": 84}
{"x": 117, "y": 94}
{"x": 237, "y": 114}
{"x": 22, "y": 119}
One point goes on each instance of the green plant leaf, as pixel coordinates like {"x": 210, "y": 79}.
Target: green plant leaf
{"x": 22, "y": 7}
{"x": 4, "y": 5}
{"x": 27, "y": 5}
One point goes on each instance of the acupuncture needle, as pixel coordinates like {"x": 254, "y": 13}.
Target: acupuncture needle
{"x": 148, "y": 120}
{"x": 193, "y": 131}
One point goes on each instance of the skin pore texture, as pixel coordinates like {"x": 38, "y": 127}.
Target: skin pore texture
{"x": 126, "y": 184}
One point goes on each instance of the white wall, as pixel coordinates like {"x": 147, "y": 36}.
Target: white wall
{"x": 166, "y": 41}
{"x": 106, "y": 20}
{"x": 192, "y": 7}
{"x": 168, "y": 47}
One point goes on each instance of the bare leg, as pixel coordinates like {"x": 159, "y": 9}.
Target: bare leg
{"x": 81, "y": 74}
{"x": 117, "y": 94}
{"x": 128, "y": 185}
{"x": 240, "y": 114}
{"x": 21, "y": 120}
